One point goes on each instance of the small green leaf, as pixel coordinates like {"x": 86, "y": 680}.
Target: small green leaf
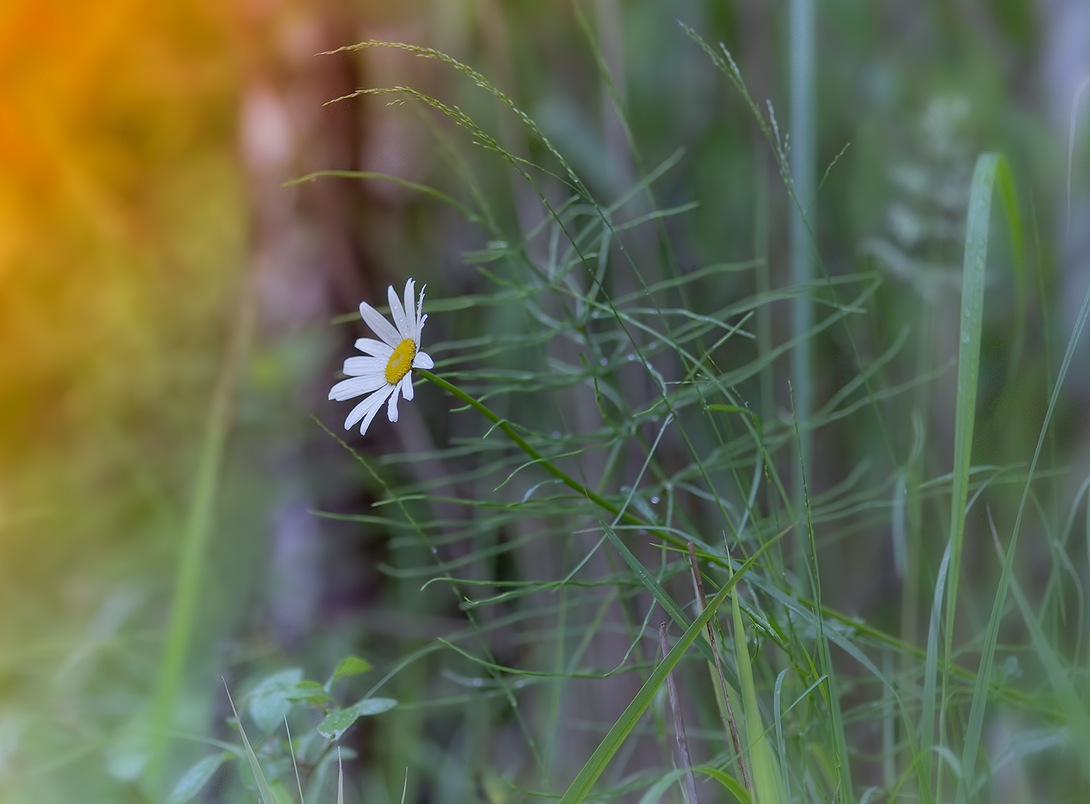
{"x": 337, "y": 723}
{"x": 348, "y": 666}
{"x": 197, "y": 777}
{"x": 309, "y": 691}
{"x": 270, "y": 701}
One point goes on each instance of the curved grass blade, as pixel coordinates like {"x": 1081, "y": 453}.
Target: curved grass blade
{"x": 990, "y": 167}
{"x": 266, "y": 792}
{"x": 471, "y": 216}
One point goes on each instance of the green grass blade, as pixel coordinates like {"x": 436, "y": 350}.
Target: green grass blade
{"x": 594, "y": 766}
{"x": 990, "y": 168}
{"x": 987, "y": 656}
{"x": 198, "y": 530}
{"x": 263, "y": 787}
{"x": 766, "y": 785}
{"x": 470, "y": 215}
{"x": 802, "y": 225}
{"x": 931, "y": 666}
{"x": 728, "y": 781}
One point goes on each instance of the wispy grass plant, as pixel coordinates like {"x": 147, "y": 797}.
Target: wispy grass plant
{"x": 601, "y": 455}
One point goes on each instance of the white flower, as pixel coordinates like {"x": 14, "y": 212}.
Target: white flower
{"x": 387, "y": 372}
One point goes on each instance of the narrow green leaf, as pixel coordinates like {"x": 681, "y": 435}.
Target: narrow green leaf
{"x": 989, "y": 168}
{"x": 766, "y": 785}
{"x": 263, "y": 788}
{"x": 470, "y": 215}
{"x": 733, "y": 785}
{"x": 931, "y": 665}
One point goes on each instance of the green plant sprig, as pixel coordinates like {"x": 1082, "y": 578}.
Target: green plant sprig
{"x": 548, "y": 465}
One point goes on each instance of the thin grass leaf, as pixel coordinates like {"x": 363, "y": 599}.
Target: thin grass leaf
{"x": 723, "y": 690}
{"x": 767, "y": 788}
{"x": 1074, "y": 712}
{"x": 263, "y": 788}
{"x": 931, "y": 665}
{"x": 990, "y": 167}
{"x": 198, "y": 531}
{"x": 733, "y": 786}
{"x": 470, "y": 215}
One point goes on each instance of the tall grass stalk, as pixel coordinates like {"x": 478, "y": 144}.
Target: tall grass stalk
{"x": 990, "y": 168}
{"x": 801, "y": 13}
{"x": 195, "y": 537}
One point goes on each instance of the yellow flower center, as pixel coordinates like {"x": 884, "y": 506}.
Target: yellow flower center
{"x": 400, "y": 361}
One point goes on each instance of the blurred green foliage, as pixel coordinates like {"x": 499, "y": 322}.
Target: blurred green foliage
{"x": 126, "y": 237}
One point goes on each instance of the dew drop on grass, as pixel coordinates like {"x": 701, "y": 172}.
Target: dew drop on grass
{"x": 630, "y": 358}
{"x": 604, "y": 362}
{"x": 654, "y": 501}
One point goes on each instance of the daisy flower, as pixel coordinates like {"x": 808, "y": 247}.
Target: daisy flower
{"x": 387, "y": 371}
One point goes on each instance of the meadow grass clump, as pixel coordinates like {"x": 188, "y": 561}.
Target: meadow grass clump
{"x": 599, "y": 461}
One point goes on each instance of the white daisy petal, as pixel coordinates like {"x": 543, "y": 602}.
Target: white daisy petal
{"x": 367, "y": 409}
{"x": 419, "y": 319}
{"x": 423, "y": 361}
{"x": 355, "y": 386}
{"x": 374, "y": 348}
{"x": 365, "y": 366}
{"x": 406, "y": 387}
{"x": 398, "y": 313}
{"x": 410, "y": 311}
{"x": 391, "y": 409}
{"x": 379, "y": 325}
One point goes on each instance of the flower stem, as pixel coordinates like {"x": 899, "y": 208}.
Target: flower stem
{"x": 548, "y": 465}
